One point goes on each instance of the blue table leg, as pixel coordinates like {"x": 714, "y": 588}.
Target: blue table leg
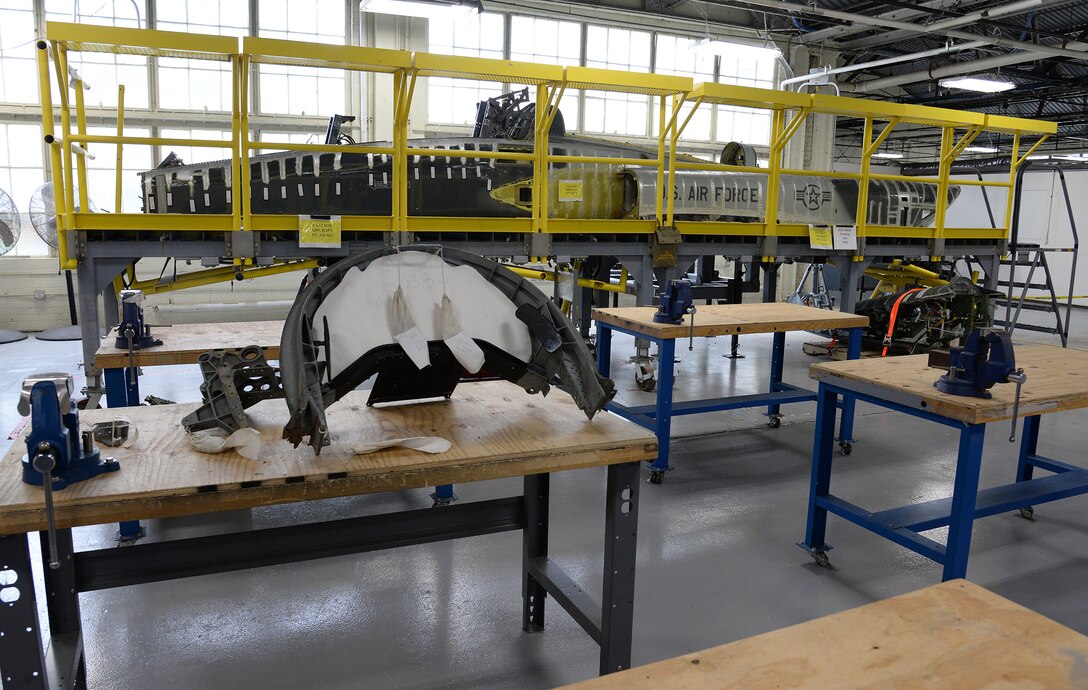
{"x": 604, "y": 349}
{"x": 122, "y": 391}
{"x": 823, "y": 447}
{"x": 964, "y": 495}
{"x": 443, "y": 495}
{"x": 846, "y": 428}
{"x": 778, "y": 357}
{"x": 1029, "y": 442}
{"x": 665, "y": 356}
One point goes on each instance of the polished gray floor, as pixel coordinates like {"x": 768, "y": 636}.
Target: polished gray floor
{"x": 717, "y": 560}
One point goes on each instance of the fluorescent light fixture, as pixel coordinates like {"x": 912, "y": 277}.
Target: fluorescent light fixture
{"x": 982, "y": 85}
{"x": 887, "y": 154}
{"x": 1039, "y": 157}
{"x": 980, "y": 149}
{"x": 425, "y": 10}
{"x": 1075, "y": 157}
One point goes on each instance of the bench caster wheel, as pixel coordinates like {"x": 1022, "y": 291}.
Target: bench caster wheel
{"x": 1028, "y": 513}
{"x": 646, "y": 378}
{"x": 656, "y": 477}
{"x": 774, "y": 422}
{"x": 846, "y": 447}
{"x": 821, "y": 559}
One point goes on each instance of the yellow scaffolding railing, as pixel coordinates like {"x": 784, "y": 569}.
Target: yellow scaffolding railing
{"x": 789, "y": 112}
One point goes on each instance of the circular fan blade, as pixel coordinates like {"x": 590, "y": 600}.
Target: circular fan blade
{"x": 10, "y": 223}
{"x": 43, "y": 213}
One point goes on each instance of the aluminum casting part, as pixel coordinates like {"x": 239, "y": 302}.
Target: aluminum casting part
{"x": 559, "y": 356}
{"x": 233, "y": 381}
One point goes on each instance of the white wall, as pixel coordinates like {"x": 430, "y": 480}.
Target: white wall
{"x": 1044, "y": 218}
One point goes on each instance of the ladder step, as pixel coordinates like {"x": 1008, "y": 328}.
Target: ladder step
{"x": 1018, "y": 284}
{"x": 1028, "y": 305}
{"x": 1031, "y": 327}
{"x": 1025, "y": 262}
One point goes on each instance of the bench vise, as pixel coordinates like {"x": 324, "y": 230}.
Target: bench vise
{"x": 55, "y": 447}
{"x": 986, "y": 358}
{"x": 675, "y": 302}
{"x": 132, "y": 332}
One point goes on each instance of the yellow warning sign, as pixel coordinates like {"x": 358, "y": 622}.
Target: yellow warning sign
{"x": 319, "y": 232}
{"x": 570, "y": 190}
{"x": 820, "y": 237}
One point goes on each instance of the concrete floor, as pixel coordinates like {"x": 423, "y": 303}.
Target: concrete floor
{"x": 716, "y": 557}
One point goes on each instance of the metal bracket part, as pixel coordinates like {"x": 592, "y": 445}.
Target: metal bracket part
{"x": 233, "y": 381}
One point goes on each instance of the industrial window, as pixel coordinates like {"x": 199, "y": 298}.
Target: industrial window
{"x": 196, "y": 154}
{"x": 102, "y": 171}
{"x": 548, "y": 42}
{"x": 453, "y": 101}
{"x": 617, "y": 113}
{"x": 685, "y": 57}
{"x": 745, "y": 65}
{"x": 289, "y": 90}
{"x": 21, "y": 170}
{"x": 18, "y": 72}
{"x": 198, "y": 84}
{"x": 105, "y": 71}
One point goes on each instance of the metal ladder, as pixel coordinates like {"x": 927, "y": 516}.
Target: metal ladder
{"x": 1022, "y": 293}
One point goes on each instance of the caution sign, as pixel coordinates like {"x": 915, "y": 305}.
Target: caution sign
{"x": 319, "y": 232}
{"x": 820, "y": 237}
{"x": 570, "y": 190}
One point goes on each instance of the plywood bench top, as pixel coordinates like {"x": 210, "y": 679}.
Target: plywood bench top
{"x": 1057, "y": 381}
{"x": 497, "y": 430}
{"x": 182, "y": 344}
{"x": 952, "y": 635}
{"x": 730, "y": 319}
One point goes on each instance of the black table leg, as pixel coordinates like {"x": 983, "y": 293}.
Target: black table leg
{"x": 621, "y": 532}
{"x": 22, "y": 657}
{"x": 62, "y": 602}
{"x": 535, "y": 545}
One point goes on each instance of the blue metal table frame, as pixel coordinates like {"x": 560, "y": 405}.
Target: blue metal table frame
{"x": 903, "y": 525}
{"x": 658, "y": 417}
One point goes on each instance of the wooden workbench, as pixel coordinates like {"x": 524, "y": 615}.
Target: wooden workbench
{"x": 182, "y": 344}
{"x": 730, "y": 319}
{"x": 497, "y": 430}
{"x": 1057, "y": 381}
{"x": 951, "y": 635}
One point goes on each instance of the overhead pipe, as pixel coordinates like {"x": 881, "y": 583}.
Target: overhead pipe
{"x": 836, "y": 32}
{"x": 954, "y": 70}
{"x": 952, "y": 23}
{"x": 826, "y": 72}
{"x": 1074, "y": 49}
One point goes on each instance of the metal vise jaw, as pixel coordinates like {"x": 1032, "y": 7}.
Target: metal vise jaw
{"x": 55, "y": 447}
{"x": 675, "y": 302}
{"x": 132, "y": 332}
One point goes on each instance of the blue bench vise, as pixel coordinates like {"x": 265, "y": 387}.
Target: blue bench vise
{"x": 57, "y": 454}
{"x": 55, "y": 448}
{"x": 985, "y": 359}
{"x": 676, "y": 302}
{"x": 132, "y": 332}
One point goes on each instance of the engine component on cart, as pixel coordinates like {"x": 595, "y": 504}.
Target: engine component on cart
{"x": 233, "y": 381}
{"x": 339, "y": 334}
{"x": 923, "y": 318}
{"x": 985, "y": 359}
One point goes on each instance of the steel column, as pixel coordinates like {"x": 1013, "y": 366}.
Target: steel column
{"x": 621, "y": 533}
